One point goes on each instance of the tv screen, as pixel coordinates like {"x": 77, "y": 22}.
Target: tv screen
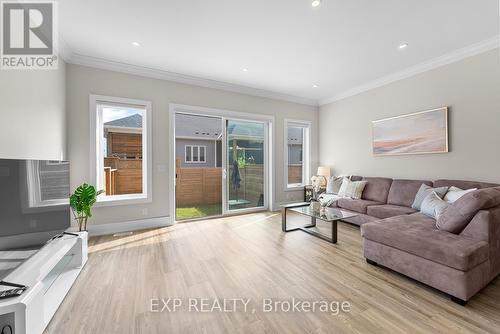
{"x": 34, "y": 207}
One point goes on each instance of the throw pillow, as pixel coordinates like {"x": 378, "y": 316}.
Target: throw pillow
{"x": 461, "y": 212}
{"x": 433, "y": 205}
{"x": 333, "y": 184}
{"x": 352, "y": 189}
{"x": 424, "y": 191}
{"x": 455, "y": 193}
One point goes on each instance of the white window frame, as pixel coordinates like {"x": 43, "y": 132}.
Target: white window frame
{"x": 306, "y": 153}
{"x": 97, "y": 155}
{"x": 192, "y": 151}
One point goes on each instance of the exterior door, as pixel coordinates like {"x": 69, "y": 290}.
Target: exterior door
{"x": 245, "y": 164}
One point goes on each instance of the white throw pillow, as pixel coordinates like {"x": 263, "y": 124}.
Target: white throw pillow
{"x": 433, "y": 205}
{"x": 352, "y": 189}
{"x": 455, "y": 193}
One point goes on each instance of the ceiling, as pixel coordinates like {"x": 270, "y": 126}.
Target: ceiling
{"x": 287, "y": 46}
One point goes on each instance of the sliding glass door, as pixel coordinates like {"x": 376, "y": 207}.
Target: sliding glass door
{"x": 245, "y": 164}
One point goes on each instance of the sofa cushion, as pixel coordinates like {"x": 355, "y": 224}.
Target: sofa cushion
{"x": 376, "y": 189}
{"x": 416, "y": 234}
{"x": 464, "y": 184}
{"x": 359, "y": 219}
{"x": 402, "y": 192}
{"x": 388, "y": 210}
{"x": 357, "y": 205}
{"x": 460, "y": 213}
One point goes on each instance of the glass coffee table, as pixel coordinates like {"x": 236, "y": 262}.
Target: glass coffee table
{"x": 330, "y": 215}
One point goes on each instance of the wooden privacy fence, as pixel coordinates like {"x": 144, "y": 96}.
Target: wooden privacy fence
{"x": 294, "y": 174}
{"x": 122, "y": 176}
{"x": 251, "y": 185}
{"x": 198, "y": 186}
{"x": 202, "y": 186}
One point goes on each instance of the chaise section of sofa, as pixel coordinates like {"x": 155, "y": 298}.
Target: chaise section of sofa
{"x": 458, "y": 264}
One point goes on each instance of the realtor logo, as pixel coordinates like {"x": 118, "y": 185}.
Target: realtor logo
{"x": 28, "y": 35}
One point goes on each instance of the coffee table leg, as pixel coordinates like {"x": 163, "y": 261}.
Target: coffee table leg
{"x": 334, "y": 232}
{"x": 284, "y": 228}
{"x": 283, "y": 219}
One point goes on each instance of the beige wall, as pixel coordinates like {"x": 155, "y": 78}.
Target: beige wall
{"x": 471, "y": 88}
{"x": 33, "y": 115}
{"x": 83, "y": 81}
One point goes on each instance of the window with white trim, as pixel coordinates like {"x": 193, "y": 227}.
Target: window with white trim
{"x": 195, "y": 154}
{"x": 121, "y": 150}
{"x": 297, "y": 150}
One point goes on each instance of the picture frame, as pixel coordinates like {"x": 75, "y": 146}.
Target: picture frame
{"x": 423, "y": 132}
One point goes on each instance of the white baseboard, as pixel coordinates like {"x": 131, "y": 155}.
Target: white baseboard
{"x": 133, "y": 225}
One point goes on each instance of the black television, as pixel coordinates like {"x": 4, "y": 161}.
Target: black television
{"x": 34, "y": 207}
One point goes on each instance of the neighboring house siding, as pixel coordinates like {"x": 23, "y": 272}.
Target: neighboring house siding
{"x": 180, "y": 150}
{"x": 295, "y": 154}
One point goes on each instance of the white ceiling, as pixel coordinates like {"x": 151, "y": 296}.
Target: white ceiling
{"x": 286, "y": 45}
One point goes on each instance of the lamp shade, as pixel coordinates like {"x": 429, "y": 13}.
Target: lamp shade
{"x": 323, "y": 171}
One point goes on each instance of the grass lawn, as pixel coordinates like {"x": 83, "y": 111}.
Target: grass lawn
{"x": 198, "y": 211}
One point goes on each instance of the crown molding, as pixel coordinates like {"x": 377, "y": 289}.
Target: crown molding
{"x": 457, "y": 55}
{"x": 105, "y": 64}
{"x": 63, "y": 50}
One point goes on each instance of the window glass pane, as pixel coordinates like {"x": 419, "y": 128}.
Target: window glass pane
{"x": 188, "y": 153}
{"x": 195, "y": 153}
{"x": 245, "y": 164}
{"x": 202, "y": 153}
{"x": 295, "y": 142}
{"x": 122, "y": 148}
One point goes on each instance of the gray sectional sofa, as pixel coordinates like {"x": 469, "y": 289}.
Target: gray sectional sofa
{"x": 400, "y": 238}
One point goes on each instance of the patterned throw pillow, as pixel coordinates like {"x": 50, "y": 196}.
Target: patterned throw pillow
{"x": 352, "y": 189}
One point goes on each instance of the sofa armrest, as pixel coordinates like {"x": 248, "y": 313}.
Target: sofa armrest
{"x": 485, "y": 226}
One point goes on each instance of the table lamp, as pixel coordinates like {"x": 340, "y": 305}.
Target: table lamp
{"x": 324, "y": 171}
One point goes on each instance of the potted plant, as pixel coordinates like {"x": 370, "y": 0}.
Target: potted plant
{"x": 81, "y": 203}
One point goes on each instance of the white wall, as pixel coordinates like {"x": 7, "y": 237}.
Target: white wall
{"x": 33, "y": 114}
{"x": 83, "y": 81}
{"x": 471, "y": 88}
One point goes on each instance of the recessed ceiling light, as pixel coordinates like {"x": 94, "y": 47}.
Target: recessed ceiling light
{"x": 245, "y": 70}
{"x": 136, "y": 44}
{"x": 315, "y": 86}
{"x": 316, "y": 3}
{"x": 403, "y": 46}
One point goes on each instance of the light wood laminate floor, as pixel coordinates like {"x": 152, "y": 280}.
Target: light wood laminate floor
{"x": 249, "y": 257}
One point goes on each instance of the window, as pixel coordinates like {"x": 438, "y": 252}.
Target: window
{"x": 296, "y": 153}
{"x": 121, "y": 149}
{"x": 195, "y": 154}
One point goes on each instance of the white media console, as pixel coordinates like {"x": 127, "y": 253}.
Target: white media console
{"x": 49, "y": 274}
